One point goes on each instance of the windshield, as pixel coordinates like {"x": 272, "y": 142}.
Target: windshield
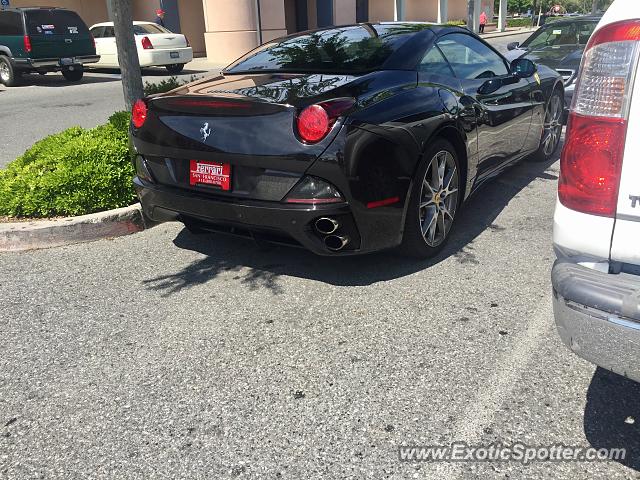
{"x": 49, "y": 22}
{"x": 352, "y": 49}
{"x": 577, "y": 33}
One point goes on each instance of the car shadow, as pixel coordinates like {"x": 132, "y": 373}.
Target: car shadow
{"x": 57, "y": 80}
{"x": 612, "y": 415}
{"x": 150, "y": 71}
{"x": 266, "y": 264}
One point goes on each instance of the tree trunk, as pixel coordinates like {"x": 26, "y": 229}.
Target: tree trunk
{"x": 127, "y": 51}
{"x": 470, "y": 14}
{"x": 594, "y": 6}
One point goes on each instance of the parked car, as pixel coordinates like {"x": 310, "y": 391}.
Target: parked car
{"x": 43, "y": 39}
{"x": 596, "y": 277}
{"x": 156, "y": 45}
{"x": 558, "y": 45}
{"x": 345, "y": 140}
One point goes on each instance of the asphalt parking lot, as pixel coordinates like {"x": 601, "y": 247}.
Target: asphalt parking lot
{"x": 168, "y": 355}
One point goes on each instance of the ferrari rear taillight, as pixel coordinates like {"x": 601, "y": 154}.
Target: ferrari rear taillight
{"x": 139, "y": 113}
{"x": 146, "y": 43}
{"x": 27, "y": 43}
{"x": 592, "y": 156}
{"x": 315, "y": 121}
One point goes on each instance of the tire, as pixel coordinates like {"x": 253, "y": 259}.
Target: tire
{"x": 74, "y": 75}
{"x": 9, "y": 77}
{"x": 431, "y": 215}
{"x": 175, "y": 68}
{"x": 552, "y": 128}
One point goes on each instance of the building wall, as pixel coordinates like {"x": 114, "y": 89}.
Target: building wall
{"x": 457, "y": 10}
{"x": 192, "y": 24}
{"x": 381, "y": 10}
{"x": 421, "y": 11}
{"x": 231, "y": 26}
{"x": 91, "y": 11}
{"x": 344, "y": 12}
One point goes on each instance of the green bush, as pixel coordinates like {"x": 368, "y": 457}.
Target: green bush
{"x": 457, "y": 23}
{"x": 74, "y": 172}
{"x": 519, "y": 22}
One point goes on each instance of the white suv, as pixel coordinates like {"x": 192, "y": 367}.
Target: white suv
{"x": 596, "y": 277}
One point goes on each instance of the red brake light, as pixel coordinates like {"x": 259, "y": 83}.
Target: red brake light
{"x": 591, "y": 164}
{"x": 27, "y": 44}
{"x": 93, "y": 40}
{"x": 592, "y": 157}
{"x": 187, "y": 40}
{"x": 139, "y": 113}
{"x": 315, "y": 121}
{"x": 146, "y": 43}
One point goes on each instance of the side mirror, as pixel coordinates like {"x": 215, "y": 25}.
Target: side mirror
{"x": 523, "y": 68}
{"x": 513, "y": 45}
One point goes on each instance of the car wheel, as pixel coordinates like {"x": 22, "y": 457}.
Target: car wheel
{"x": 175, "y": 68}
{"x": 552, "y": 129}
{"x": 434, "y": 201}
{"x": 8, "y": 75}
{"x": 74, "y": 75}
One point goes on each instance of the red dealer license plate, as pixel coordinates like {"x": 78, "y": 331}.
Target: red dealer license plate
{"x": 210, "y": 173}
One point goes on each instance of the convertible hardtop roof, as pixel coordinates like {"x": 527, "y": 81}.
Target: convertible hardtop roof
{"x": 436, "y": 28}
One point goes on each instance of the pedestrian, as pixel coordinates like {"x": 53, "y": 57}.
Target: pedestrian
{"x": 160, "y": 17}
{"x": 483, "y": 21}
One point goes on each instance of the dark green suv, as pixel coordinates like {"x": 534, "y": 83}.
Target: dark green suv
{"x": 43, "y": 40}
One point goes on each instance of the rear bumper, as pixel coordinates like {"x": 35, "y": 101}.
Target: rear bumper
{"x": 53, "y": 63}
{"x": 273, "y": 221}
{"x": 160, "y": 57}
{"x": 597, "y": 315}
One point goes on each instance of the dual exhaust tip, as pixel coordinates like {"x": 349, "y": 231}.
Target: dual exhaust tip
{"x": 328, "y": 226}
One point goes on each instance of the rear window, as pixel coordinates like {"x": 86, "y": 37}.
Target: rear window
{"x": 353, "y": 49}
{"x": 10, "y": 23}
{"x": 54, "y": 22}
{"x": 149, "y": 28}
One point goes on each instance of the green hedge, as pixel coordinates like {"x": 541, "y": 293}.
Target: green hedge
{"x": 519, "y": 22}
{"x": 74, "y": 172}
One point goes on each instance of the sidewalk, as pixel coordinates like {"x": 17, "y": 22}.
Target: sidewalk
{"x": 508, "y": 32}
{"x": 203, "y": 63}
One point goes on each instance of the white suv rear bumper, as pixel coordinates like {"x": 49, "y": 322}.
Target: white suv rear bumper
{"x": 598, "y": 316}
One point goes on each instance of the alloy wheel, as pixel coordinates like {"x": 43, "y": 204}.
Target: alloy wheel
{"x": 552, "y": 126}
{"x": 438, "y": 198}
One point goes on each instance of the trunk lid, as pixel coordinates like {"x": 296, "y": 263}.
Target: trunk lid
{"x": 165, "y": 40}
{"x": 246, "y": 121}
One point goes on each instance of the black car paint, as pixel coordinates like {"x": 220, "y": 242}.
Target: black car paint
{"x": 371, "y": 154}
{"x": 561, "y": 57}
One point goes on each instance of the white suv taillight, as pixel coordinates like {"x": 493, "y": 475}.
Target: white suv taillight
{"x": 592, "y": 156}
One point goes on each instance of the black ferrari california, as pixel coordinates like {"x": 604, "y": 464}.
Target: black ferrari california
{"x": 344, "y": 140}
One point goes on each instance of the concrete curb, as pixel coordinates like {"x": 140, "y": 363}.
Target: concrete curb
{"x": 21, "y": 236}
